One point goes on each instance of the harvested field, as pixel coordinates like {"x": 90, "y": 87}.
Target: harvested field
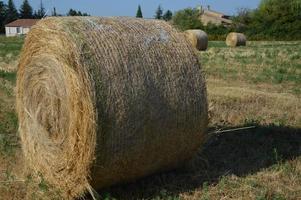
{"x": 255, "y": 85}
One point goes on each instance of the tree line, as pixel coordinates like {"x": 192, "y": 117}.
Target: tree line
{"x": 272, "y": 20}
{"x": 9, "y": 12}
{"x": 159, "y": 14}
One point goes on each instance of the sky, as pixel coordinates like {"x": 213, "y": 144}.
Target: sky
{"x": 129, "y": 7}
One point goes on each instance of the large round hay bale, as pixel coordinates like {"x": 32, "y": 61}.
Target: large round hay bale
{"x": 108, "y": 100}
{"x": 198, "y": 39}
{"x": 236, "y": 39}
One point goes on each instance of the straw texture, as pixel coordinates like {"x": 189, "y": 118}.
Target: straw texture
{"x": 198, "y": 39}
{"x": 236, "y": 39}
{"x": 108, "y": 100}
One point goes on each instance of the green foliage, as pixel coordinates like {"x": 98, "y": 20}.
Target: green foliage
{"x": 3, "y": 13}
{"x": 10, "y": 76}
{"x": 159, "y": 13}
{"x": 72, "y": 12}
{"x": 43, "y": 185}
{"x": 12, "y": 13}
{"x": 244, "y": 16}
{"x": 273, "y": 19}
{"x": 217, "y": 32}
{"x": 139, "y": 12}
{"x": 167, "y": 15}
{"x": 41, "y": 11}
{"x": 187, "y": 19}
{"x": 26, "y": 10}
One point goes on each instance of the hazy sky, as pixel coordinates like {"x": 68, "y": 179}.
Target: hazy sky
{"x": 129, "y": 7}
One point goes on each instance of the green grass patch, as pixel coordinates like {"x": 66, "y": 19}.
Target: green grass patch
{"x": 10, "y": 76}
{"x": 217, "y": 44}
{"x": 8, "y": 131}
{"x": 259, "y": 62}
{"x": 10, "y": 48}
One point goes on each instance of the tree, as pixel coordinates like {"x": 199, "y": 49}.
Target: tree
{"x": 159, "y": 12}
{"x": 167, "y": 15}
{"x": 139, "y": 12}
{"x": 242, "y": 20}
{"x": 12, "y": 12}
{"x": 217, "y": 32}
{"x": 244, "y": 16}
{"x": 26, "y": 10}
{"x": 72, "y": 12}
{"x": 54, "y": 12}
{"x": 3, "y": 13}
{"x": 187, "y": 19}
{"x": 41, "y": 11}
{"x": 277, "y": 19}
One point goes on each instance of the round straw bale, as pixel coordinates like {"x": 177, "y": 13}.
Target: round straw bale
{"x": 198, "y": 39}
{"x": 236, "y": 39}
{"x": 107, "y": 100}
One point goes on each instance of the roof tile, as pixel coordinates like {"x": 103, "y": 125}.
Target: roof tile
{"x": 22, "y": 23}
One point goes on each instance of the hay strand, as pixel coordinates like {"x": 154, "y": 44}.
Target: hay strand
{"x": 107, "y": 100}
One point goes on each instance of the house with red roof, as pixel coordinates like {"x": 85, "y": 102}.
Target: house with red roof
{"x": 19, "y": 27}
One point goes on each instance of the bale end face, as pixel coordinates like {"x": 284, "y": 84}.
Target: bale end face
{"x": 57, "y": 119}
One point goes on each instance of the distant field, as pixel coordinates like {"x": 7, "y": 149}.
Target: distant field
{"x": 274, "y": 63}
{"x": 255, "y": 85}
{"x": 261, "y": 82}
{"x": 10, "y": 47}
{"x": 9, "y": 51}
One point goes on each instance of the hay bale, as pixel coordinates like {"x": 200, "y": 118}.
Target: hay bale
{"x": 198, "y": 39}
{"x": 236, "y": 39}
{"x": 108, "y": 100}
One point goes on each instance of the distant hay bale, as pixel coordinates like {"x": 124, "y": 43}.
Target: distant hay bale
{"x": 198, "y": 39}
{"x": 108, "y": 100}
{"x": 236, "y": 39}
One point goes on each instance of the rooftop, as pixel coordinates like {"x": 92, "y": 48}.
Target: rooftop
{"x": 22, "y": 23}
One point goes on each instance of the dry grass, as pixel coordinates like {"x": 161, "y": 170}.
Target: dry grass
{"x": 262, "y": 163}
{"x": 9, "y": 51}
{"x": 235, "y": 104}
{"x": 271, "y": 66}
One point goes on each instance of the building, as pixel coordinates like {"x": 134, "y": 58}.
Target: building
{"x": 19, "y": 27}
{"x": 209, "y": 16}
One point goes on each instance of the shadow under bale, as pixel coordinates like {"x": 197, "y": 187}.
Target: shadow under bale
{"x": 239, "y": 153}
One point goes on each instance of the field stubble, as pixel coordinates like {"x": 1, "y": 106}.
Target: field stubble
{"x": 254, "y": 85}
